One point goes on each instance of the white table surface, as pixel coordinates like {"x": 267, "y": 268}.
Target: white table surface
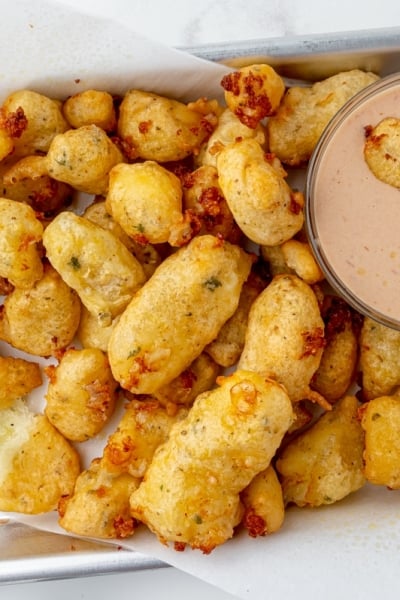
{"x": 189, "y": 22}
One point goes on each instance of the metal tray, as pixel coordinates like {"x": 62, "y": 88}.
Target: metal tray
{"x": 27, "y": 554}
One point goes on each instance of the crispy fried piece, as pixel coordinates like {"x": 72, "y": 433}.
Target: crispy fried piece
{"x": 20, "y": 233}
{"x": 261, "y": 201}
{"x": 83, "y": 158}
{"x": 204, "y": 201}
{"x": 304, "y": 113}
{"x": 146, "y": 200}
{"x": 293, "y": 256}
{"x": 197, "y": 378}
{"x": 81, "y": 394}
{"x": 228, "y": 130}
{"x": 382, "y": 150}
{"x": 380, "y": 419}
{"x": 94, "y": 263}
{"x": 229, "y": 343}
{"x": 176, "y": 313}
{"x": 93, "y": 334}
{"x": 285, "y": 336}
{"x": 325, "y": 463}
{"x": 379, "y": 359}
{"x": 339, "y": 358}
{"x": 36, "y": 120}
{"x": 263, "y": 503}
{"x": 230, "y": 434}
{"x": 12, "y": 126}
{"x": 42, "y": 320}
{"x": 253, "y": 93}
{"x": 144, "y": 425}
{"x": 160, "y": 128}
{"x": 99, "y": 505}
{"x": 38, "y": 466}
{"x": 91, "y": 107}
{"x": 27, "y": 181}
{"x": 18, "y": 377}
{"x": 147, "y": 254}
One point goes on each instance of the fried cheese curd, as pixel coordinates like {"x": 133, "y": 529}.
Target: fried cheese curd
{"x": 263, "y": 503}
{"x": 293, "y": 256}
{"x": 229, "y": 129}
{"x": 162, "y": 129}
{"x": 176, "y": 313}
{"x": 147, "y": 254}
{"x": 380, "y": 420}
{"x": 324, "y": 464}
{"x": 37, "y": 464}
{"x": 382, "y": 150}
{"x": 42, "y": 320}
{"x": 91, "y": 107}
{"x": 146, "y": 200}
{"x": 254, "y": 185}
{"x": 199, "y": 376}
{"x": 99, "y": 505}
{"x": 227, "y": 347}
{"x": 379, "y": 359}
{"x": 205, "y": 206}
{"x": 39, "y": 120}
{"x": 81, "y": 394}
{"x": 83, "y": 158}
{"x": 229, "y": 436}
{"x": 18, "y": 377}
{"x": 338, "y": 365}
{"x": 285, "y": 337}
{"x": 20, "y": 234}
{"x": 28, "y": 181}
{"x": 93, "y": 262}
{"x": 253, "y": 93}
{"x": 293, "y": 132}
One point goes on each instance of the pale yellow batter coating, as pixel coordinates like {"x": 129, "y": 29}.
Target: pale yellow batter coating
{"x": 190, "y": 493}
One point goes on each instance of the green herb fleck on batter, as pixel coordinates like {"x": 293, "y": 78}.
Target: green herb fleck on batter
{"x": 74, "y": 263}
{"x": 212, "y": 284}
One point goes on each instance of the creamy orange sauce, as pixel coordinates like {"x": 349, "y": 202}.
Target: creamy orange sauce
{"x": 356, "y": 216}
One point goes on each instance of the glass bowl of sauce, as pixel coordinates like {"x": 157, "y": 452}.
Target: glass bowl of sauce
{"x": 352, "y": 218}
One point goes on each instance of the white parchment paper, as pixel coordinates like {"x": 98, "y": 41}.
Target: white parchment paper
{"x": 352, "y": 547}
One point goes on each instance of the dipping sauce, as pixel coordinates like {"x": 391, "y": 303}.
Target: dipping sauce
{"x": 353, "y": 218}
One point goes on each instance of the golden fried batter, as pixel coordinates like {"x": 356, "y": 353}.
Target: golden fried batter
{"x": 81, "y": 394}
{"x": 325, "y": 463}
{"x": 380, "y": 419}
{"x": 285, "y": 336}
{"x": 263, "y": 502}
{"x": 382, "y": 150}
{"x": 20, "y": 233}
{"x": 190, "y": 493}
{"x": 176, "y": 313}
{"x": 304, "y": 113}
{"x": 42, "y": 320}
{"x": 379, "y": 359}
{"x": 18, "y": 377}
{"x": 262, "y": 203}
{"x": 340, "y": 355}
{"x": 93, "y": 262}
{"x": 253, "y": 93}
{"x": 99, "y": 505}
{"x": 38, "y": 466}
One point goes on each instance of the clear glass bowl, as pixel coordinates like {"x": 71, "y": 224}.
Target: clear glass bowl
{"x": 353, "y": 219}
